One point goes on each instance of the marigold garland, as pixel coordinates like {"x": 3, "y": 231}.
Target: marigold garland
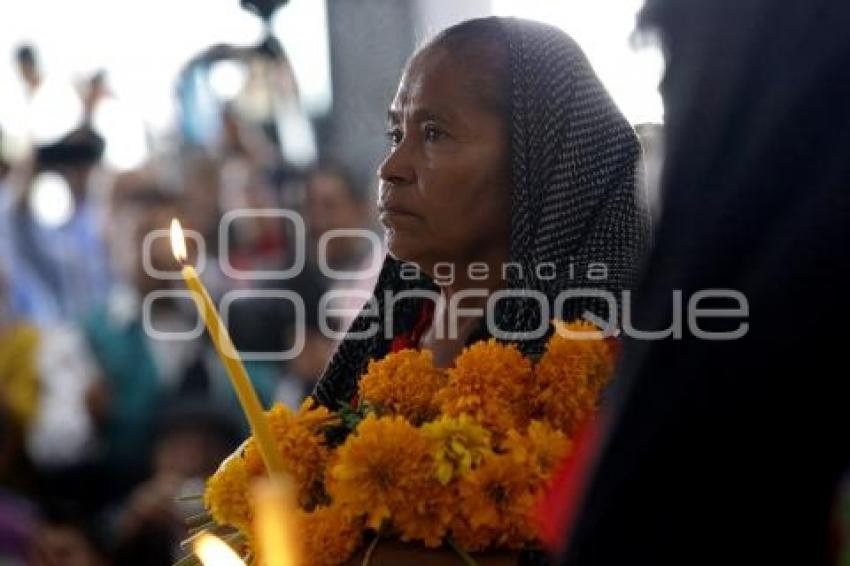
{"x": 462, "y": 453}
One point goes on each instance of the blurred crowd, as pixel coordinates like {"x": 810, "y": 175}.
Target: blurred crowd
{"x": 107, "y": 429}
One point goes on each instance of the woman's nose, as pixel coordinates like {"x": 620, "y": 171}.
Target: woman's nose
{"x": 397, "y": 168}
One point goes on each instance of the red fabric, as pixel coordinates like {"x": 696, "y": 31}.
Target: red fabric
{"x": 557, "y": 510}
{"x": 414, "y": 337}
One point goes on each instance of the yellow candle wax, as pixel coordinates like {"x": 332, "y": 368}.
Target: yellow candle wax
{"x": 274, "y": 512}
{"x": 230, "y": 358}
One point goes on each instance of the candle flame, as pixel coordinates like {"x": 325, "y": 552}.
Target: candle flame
{"x": 178, "y": 242}
{"x": 212, "y": 551}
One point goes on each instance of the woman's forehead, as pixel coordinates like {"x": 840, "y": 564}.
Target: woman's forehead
{"x": 435, "y": 84}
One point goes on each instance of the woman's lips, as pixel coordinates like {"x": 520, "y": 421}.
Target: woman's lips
{"x": 390, "y": 214}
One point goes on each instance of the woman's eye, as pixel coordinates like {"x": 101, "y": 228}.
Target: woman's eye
{"x": 394, "y": 135}
{"x": 433, "y": 133}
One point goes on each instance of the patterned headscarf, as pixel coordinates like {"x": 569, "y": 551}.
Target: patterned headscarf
{"x": 575, "y": 202}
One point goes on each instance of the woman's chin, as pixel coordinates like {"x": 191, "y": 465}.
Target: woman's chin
{"x": 403, "y": 247}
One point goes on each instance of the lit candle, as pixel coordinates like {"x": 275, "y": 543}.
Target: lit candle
{"x": 274, "y": 508}
{"x": 212, "y": 551}
{"x": 229, "y": 356}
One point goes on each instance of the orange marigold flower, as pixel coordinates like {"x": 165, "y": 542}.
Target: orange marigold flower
{"x": 300, "y": 438}
{"x": 326, "y": 536}
{"x": 472, "y": 539}
{"x": 541, "y": 448}
{"x": 226, "y": 495}
{"x": 403, "y": 383}
{"x": 301, "y": 441}
{"x": 571, "y": 375}
{"x": 499, "y": 496}
{"x": 490, "y": 381}
{"x": 428, "y": 516}
{"x": 381, "y": 469}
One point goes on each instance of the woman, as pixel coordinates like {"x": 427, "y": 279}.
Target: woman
{"x": 507, "y": 153}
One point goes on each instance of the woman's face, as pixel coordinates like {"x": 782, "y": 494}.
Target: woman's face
{"x": 444, "y": 193}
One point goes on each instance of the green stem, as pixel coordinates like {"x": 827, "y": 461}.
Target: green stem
{"x": 190, "y": 497}
{"x": 464, "y": 555}
{"x": 188, "y": 560}
{"x": 369, "y": 551}
{"x": 199, "y": 520}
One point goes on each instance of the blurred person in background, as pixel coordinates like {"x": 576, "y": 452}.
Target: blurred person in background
{"x": 52, "y": 209}
{"x": 67, "y": 536}
{"x": 134, "y": 370}
{"x": 56, "y": 260}
{"x": 56, "y": 269}
{"x": 18, "y": 405}
{"x": 268, "y": 325}
{"x": 199, "y": 176}
{"x": 18, "y": 514}
{"x": 332, "y": 201}
{"x": 139, "y": 370}
{"x": 19, "y": 386}
{"x": 192, "y": 438}
{"x": 93, "y": 92}
{"x": 245, "y": 141}
{"x": 28, "y": 68}
{"x": 5, "y": 167}
{"x": 256, "y": 243}
{"x": 45, "y": 374}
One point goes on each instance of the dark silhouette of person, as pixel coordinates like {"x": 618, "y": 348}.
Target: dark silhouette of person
{"x": 732, "y": 452}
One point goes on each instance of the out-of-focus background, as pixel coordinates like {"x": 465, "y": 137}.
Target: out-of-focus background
{"x": 116, "y": 117}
